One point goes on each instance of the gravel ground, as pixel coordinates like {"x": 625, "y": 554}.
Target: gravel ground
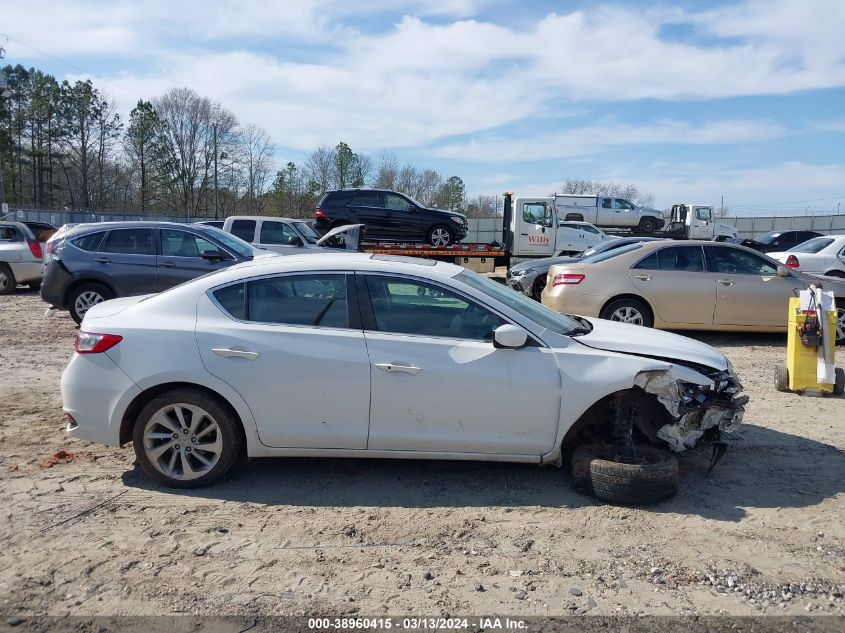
{"x": 85, "y": 533}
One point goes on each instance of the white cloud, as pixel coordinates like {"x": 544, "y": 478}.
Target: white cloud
{"x": 594, "y": 139}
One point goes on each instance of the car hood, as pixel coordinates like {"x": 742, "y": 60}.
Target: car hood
{"x": 643, "y": 341}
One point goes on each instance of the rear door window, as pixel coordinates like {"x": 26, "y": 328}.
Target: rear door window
{"x": 688, "y": 259}
{"x": 317, "y": 300}
{"x": 129, "y": 242}
{"x": 90, "y": 242}
{"x": 244, "y": 229}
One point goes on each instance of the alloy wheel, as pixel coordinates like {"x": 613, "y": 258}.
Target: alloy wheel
{"x": 4, "y": 281}
{"x": 86, "y": 301}
{"x": 440, "y": 237}
{"x": 627, "y": 314}
{"x": 182, "y": 441}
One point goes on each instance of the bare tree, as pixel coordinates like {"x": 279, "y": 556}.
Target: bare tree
{"x": 256, "y": 148}
{"x": 387, "y": 172}
{"x": 320, "y": 166}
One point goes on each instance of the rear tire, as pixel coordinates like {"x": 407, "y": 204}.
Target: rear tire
{"x": 628, "y": 311}
{"x": 839, "y": 385}
{"x": 85, "y": 297}
{"x": 440, "y": 235}
{"x": 8, "y": 283}
{"x": 181, "y": 455}
{"x": 652, "y": 480}
{"x": 840, "y": 321}
{"x": 647, "y": 225}
{"x": 782, "y": 378}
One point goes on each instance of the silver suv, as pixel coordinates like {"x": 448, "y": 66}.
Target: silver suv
{"x": 20, "y": 258}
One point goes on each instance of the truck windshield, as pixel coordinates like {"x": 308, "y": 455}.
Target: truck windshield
{"x": 537, "y": 312}
{"x": 307, "y": 232}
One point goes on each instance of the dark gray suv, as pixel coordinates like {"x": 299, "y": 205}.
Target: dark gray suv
{"x": 92, "y": 263}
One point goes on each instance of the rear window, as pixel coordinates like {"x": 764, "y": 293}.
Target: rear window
{"x": 129, "y": 242}
{"x": 244, "y": 229}
{"x": 232, "y": 300}
{"x": 9, "y": 234}
{"x": 600, "y": 257}
{"x": 813, "y": 246}
{"x": 337, "y": 199}
{"x": 90, "y": 242}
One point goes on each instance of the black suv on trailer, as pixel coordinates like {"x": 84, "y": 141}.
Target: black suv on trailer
{"x": 389, "y": 215}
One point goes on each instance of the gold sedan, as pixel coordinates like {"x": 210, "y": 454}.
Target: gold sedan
{"x": 691, "y": 285}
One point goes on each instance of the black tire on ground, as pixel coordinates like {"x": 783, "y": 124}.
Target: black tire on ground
{"x": 628, "y": 311}
{"x": 538, "y": 287}
{"x": 648, "y": 225}
{"x": 839, "y": 385}
{"x": 35, "y": 286}
{"x": 90, "y": 290}
{"x": 230, "y": 432}
{"x": 8, "y": 283}
{"x": 440, "y": 235}
{"x": 781, "y": 378}
{"x": 652, "y": 480}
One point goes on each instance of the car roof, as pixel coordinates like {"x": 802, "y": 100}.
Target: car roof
{"x": 137, "y": 224}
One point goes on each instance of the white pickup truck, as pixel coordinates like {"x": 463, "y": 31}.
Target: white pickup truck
{"x": 608, "y": 212}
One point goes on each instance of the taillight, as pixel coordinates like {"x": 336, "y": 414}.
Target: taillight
{"x": 792, "y": 261}
{"x": 565, "y": 279}
{"x": 35, "y": 249}
{"x": 318, "y": 213}
{"x": 87, "y": 343}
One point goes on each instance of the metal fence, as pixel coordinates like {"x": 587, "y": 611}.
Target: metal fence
{"x": 484, "y": 230}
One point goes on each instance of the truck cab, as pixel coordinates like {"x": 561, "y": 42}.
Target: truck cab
{"x": 698, "y": 222}
{"x": 538, "y": 231}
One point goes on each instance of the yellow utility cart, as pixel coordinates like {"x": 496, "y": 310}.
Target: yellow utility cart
{"x": 805, "y": 337}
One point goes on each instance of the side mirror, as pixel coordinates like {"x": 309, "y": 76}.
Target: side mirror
{"x": 783, "y": 271}
{"x": 214, "y": 256}
{"x": 293, "y": 240}
{"x": 509, "y": 337}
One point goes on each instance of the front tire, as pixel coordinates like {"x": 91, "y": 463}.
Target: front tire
{"x": 628, "y": 311}
{"x": 8, "y": 283}
{"x": 85, "y": 297}
{"x": 653, "y": 479}
{"x": 538, "y": 287}
{"x": 782, "y": 378}
{"x": 440, "y": 235}
{"x": 186, "y": 439}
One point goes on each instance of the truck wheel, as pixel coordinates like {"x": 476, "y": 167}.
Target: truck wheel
{"x": 782, "y": 378}
{"x": 85, "y": 297}
{"x": 653, "y": 479}
{"x": 8, "y": 283}
{"x": 628, "y": 311}
{"x": 439, "y": 235}
{"x": 839, "y": 385}
{"x": 648, "y": 225}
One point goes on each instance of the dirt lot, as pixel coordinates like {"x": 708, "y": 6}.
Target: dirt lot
{"x": 85, "y": 533}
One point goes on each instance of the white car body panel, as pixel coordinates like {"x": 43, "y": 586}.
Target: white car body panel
{"x": 313, "y": 395}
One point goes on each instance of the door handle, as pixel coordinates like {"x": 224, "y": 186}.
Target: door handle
{"x": 167, "y": 264}
{"x": 392, "y": 367}
{"x": 642, "y": 277}
{"x": 102, "y": 260}
{"x": 725, "y": 282}
{"x": 226, "y": 352}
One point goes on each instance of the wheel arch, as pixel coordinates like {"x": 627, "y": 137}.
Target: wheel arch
{"x": 76, "y": 283}
{"x": 635, "y": 297}
{"x": 130, "y": 414}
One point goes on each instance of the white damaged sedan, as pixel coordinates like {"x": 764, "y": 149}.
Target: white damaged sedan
{"x": 349, "y": 355}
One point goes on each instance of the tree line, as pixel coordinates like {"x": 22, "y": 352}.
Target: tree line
{"x": 65, "y": 144}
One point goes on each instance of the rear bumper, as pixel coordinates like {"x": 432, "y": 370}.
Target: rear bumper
{"x": 27, "y": 272}
{"x": 96, "y": 393}
{"x": 565, "y": 301}
{"x": 55, "y": 283}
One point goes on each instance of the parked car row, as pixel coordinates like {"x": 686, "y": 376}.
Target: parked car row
{"x": 684, "y": 286}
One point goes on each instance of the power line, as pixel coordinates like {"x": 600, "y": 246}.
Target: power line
{"x": 771, "y": 204}
{"x": 72, "y": 65}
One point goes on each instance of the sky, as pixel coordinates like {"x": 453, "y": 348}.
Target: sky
{"x": 691, "y": 101}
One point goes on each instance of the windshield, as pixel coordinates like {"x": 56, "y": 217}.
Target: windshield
{"x": 767, "y": 238}
{"x": 812, "y": 246}
{"x": 307, "y": 232}
{"x": 530, "y": 309}
{"x": 244, "y": 249}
